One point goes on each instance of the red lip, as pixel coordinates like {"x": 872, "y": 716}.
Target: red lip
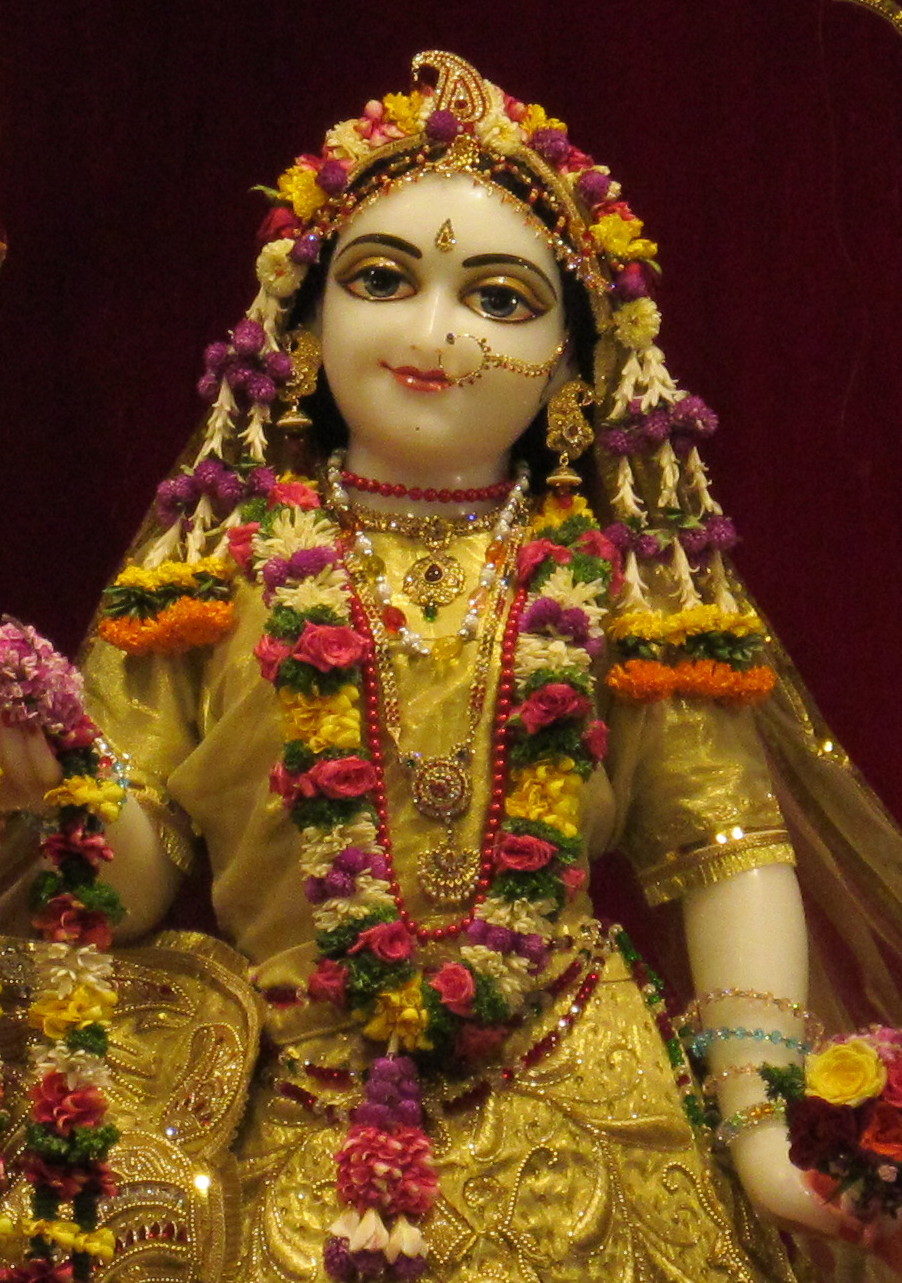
{"x": 419, "y": 380}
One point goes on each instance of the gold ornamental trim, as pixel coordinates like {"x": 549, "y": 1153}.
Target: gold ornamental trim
{"x": 887, "y": 9}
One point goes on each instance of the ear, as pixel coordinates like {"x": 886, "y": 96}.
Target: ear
{"x": 565, "y": 370}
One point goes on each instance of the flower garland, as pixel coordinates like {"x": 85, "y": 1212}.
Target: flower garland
{"x": 702, "y": 652}
{"x": 67, "y": 1139}
{"x": 317, "y": 652}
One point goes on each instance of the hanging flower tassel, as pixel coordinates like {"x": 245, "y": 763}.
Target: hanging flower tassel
{"x": 68, "y": 1137}
{"x": 385, "y": 1173}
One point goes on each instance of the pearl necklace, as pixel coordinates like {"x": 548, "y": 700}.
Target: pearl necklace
{"x": 408, "y": 638}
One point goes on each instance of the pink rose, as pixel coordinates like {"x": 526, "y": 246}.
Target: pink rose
{"x": 574, "y": 880}
{"x": 456, "y": 987}
{"x": 892, "y": 1092}
{"x": 532, "y": 555}
{"x": 326, "y": 647}
{"x": 340, "y": 777}
{"x": 240, "y": 544}
{"x": 523, "y": 851}
{"x": 389, "y": 941}
{"x": 328, "y": 983}
{"x": 551, "y": 703}
{"x": 287, "y": 785}
{"x": 270, "y": 653}
{"x": 278, "y": 224}
{"x": 596, "y": 740}
{"x": 293, "y": 492}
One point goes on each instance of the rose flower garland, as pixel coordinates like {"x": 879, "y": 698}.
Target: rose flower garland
{"x": 67, "y": 1139}
{"x": 316, "y": 650}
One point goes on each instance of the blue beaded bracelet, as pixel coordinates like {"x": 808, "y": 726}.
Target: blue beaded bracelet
{"x": 700, "y": 1042}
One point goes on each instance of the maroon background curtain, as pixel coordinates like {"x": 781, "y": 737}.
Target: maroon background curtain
{"x": 759, "y": 139}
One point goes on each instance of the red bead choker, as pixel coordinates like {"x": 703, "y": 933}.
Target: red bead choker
{"x": 500, "y": 490}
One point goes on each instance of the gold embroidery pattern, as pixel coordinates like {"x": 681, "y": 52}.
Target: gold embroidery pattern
{"x": 583, "y": 1168}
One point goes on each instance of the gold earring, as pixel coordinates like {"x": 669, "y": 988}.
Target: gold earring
{"x": 306, "y": 357}
{"x": 568, "y": 434}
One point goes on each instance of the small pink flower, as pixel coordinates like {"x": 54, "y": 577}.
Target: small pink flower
{"x": 64, "y": 919}
{"x": 389, "y": 941}
{"x": 270, "y": 653}
{"x": 240, "y": 544}
{"x": 456, "y": 987}
{"x": 532, "y": 555}
{"x": 340, "y": 777}
{"x": 523, "y": 851}
{"x": 326, "y": 646}
{"x": 294, "y": 493}
{"x": 551, "y": 703}
{"x": 328, "y": 983}
{"x": 278, "y": 223}
{"x": 74, "y": 840}
{"x": 596, "y": 740}
{"x": 574, "y": 880}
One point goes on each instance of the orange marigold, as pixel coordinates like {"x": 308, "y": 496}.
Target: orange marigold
{"x": 181, "y": 626}
{"x": 643, "y": 681}
{"x": 713, "y": 679}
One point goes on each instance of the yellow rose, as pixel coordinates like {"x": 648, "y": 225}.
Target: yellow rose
{"x": 301, "y": 188}
{"x": 847, "y": 1073}
{"x": 400, "y": 1016}
{"x": 102, "y": 798}
{"x": 549, "y": 792}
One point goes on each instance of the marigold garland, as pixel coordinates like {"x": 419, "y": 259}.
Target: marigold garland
{"x": 68, "y": 1137}
{"x": 169, "y": 608}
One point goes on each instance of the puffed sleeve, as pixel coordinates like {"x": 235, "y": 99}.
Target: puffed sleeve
{"x": 695, "y": 798}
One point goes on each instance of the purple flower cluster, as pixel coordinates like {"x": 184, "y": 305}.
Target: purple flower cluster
{"x": 684, "y": 424}
{"x": 226, "y": 489}
{"x": 302, "y": 564}
{"x": 546, "y": 615}
{"x": 38, "y": 686}
{"x": 530, "y": 946}
{"x": 392, "y": 1095}
{"x": 715, "y": 534}
{"x": 252, "y": 373}
{"x": 340, "y": 882}
{"x": 347, "y": 1267}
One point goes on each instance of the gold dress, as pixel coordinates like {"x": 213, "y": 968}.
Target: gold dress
{"x": 580, "y": 1165}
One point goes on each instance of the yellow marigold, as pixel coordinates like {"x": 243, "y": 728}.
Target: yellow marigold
{"x": 299, "y": 186}
{"x": 400, "y": 1017}
{"x": 183, "y": 574}
{"x": 537, "y": 118}
{"x": 847, "y": 1073}
{"x": 56, "y": 1017}
{"x": 403, "y": 110}
{"x": 547, "y": 791}
{"x": 322, "y": 721}
{"x": 102, "y": 798}
{"x": 67, "y": 1234}
{"x": 713, "y": 679}
{"x": 711, "y": 619}
{"x": 186, "y": 623}
{"x": 555, "y": 511}
{"x": 615, "y": 235}
{"x": 641, "y": 681}
{"x": 649, "y": 624}
{"x": 642, "y": 248}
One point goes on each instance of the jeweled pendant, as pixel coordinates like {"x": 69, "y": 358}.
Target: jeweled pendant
{"x": 441, "y": 787}
{"x": 434, "y": 581}
{"x": 447, "y": 875}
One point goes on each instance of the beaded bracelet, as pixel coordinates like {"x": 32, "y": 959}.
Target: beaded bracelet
{"x": 712, "y": 1081}
{"x": 745, "y": 1119}
{"x": 701, "y": 1041}
{"x": 814, "y": 1029}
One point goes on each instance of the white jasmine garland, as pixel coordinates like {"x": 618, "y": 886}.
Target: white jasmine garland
{"x": 536, "y": 653}
{"x": 276, "y": 272}
{"x": 509, "y": 972}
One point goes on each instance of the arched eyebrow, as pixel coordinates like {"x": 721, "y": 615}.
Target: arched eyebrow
{"x": 486, "y": 260}
{"x": 380, "y": 238}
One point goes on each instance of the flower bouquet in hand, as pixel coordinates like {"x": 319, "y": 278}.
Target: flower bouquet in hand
{"x": 844, "y": 1115}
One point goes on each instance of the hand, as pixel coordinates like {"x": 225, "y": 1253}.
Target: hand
{"x": 28, "y": 768}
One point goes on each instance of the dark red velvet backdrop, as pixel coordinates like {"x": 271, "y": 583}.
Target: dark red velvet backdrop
{"x": 760, "y": 139}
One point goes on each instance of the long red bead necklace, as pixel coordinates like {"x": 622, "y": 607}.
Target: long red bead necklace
{"x": 495, "y": 810}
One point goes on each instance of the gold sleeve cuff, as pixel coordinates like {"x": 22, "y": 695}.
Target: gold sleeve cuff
{"x": 171, "y": 825}
{"x": 692, "y": 868}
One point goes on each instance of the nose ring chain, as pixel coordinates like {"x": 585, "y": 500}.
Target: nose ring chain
{"x": 490, "y": 360}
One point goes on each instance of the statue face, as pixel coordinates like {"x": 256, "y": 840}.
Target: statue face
{"x": 437, "y": 256}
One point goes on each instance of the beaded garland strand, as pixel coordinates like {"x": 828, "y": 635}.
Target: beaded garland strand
{"x": 67, "y": 1138}
{"x": 317, "y": 651}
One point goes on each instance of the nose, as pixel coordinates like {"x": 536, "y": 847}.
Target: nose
{"x": 431, "y": 322}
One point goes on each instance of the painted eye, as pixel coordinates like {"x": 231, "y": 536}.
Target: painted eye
{"x": 378, "y": 282}
{"x": 502, "y": 301}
